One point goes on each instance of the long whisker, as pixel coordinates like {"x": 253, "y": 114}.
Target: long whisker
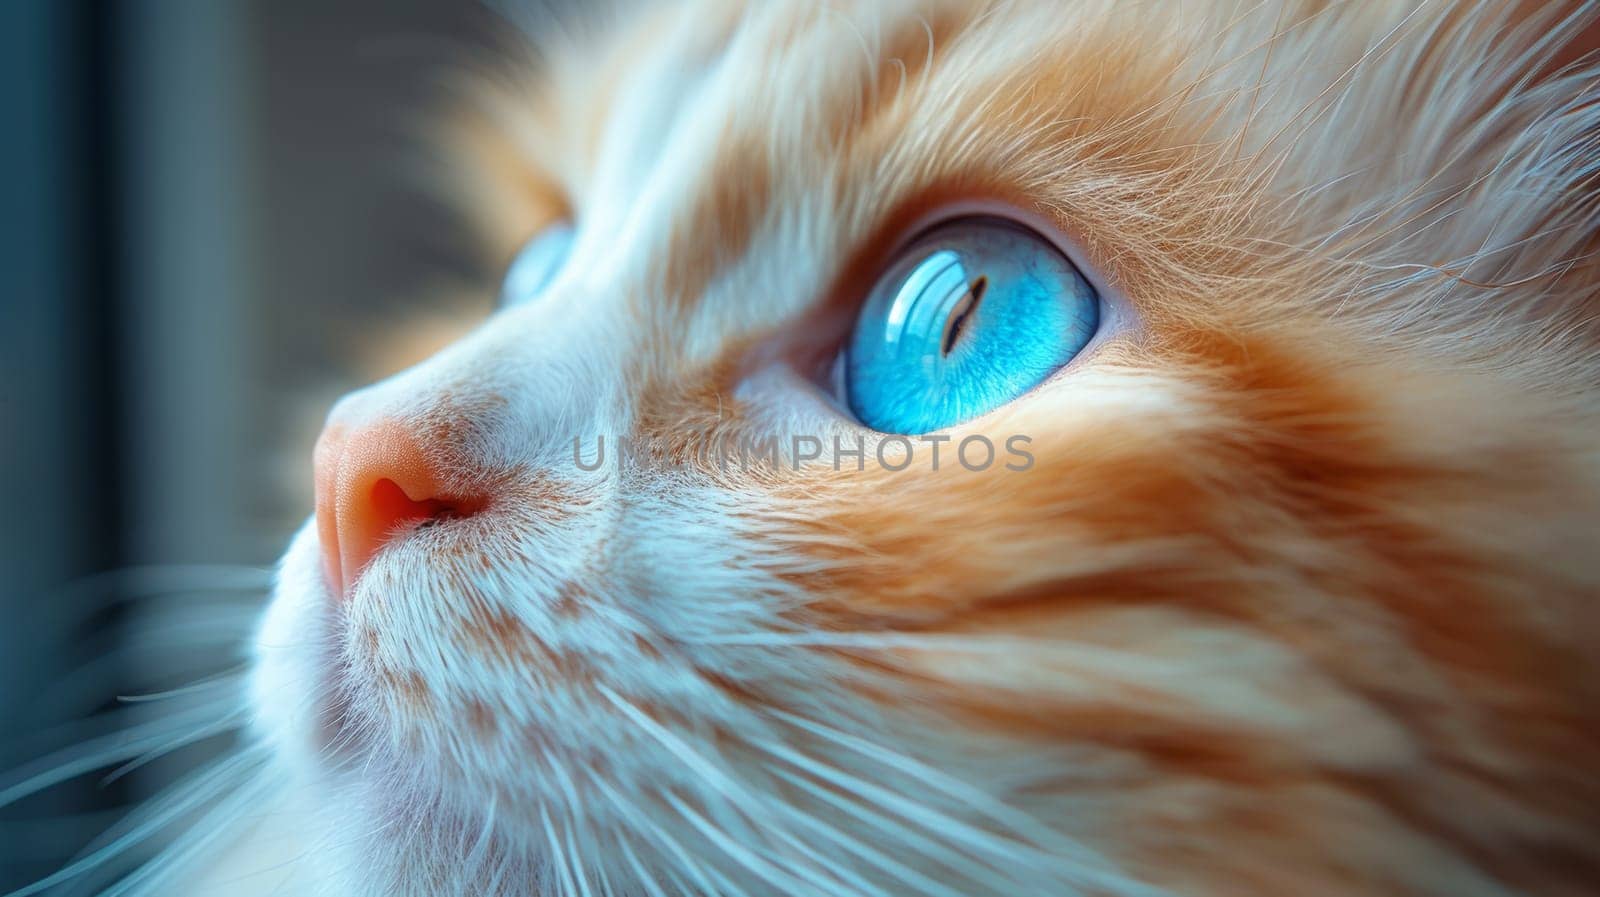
{"x": 967, "y": 794}
{"x": 820, "y": 873}
{"x": 874, "y": 857}
{"x": 480, "y": 846}
{"x": 229, "y": 723}
{"x": 899, "y": 804}
{"x": 558, "y": 856}
{"x": 893, "y": 830}
{"x": 152, "y": 818}
{"x": 691, "y": 867}
{"x": 646, "y": 879}
{"x": 201, "y": 581}
{"x": 200, "y": 838}
{"x": 74, "y": 761}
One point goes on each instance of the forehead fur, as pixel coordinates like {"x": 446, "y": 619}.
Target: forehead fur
{"x": 1193, "y": 152}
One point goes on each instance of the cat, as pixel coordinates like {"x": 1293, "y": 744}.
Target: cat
{"x": 1292, "y": 307}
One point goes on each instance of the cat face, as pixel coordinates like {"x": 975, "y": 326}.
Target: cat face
{"x": 1293, "y": 594}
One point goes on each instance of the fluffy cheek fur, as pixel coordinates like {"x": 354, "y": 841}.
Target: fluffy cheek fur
{"x": 1275, "y": 632}
{"x": 1295, "y": 600}
{"x": 1141, "y": 665}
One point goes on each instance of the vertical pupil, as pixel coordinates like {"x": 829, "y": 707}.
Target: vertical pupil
{"x": 964, "y": 307}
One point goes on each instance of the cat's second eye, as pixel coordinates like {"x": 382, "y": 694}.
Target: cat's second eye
{"x": 968, "y": 317}
{"x": 537, "y": 264}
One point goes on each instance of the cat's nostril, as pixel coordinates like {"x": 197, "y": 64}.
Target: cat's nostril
{"x": 391, "y": 503}
{"x": 372, "y": 481}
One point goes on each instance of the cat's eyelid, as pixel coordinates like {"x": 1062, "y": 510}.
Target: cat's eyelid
{"x": 1041, "y": 224}
{"x": 1119, "y": 318}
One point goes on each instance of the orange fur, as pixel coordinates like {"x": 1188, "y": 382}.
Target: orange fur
{"x": 1300, "y": 595}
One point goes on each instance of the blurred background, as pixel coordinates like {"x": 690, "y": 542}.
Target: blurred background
{"x": 210, "y": 232}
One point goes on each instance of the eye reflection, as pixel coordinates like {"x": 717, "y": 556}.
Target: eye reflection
{"x": 927, "y": 302}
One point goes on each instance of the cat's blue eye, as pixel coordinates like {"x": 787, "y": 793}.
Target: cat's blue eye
{"x": 968, "y": 317}
{"x": 537, "y": 264}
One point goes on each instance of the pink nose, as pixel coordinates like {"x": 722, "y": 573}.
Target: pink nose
{"x": 372, "y": 479}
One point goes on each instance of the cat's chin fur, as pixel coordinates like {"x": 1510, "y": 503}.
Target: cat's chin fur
{"x": 1298, "y": 599}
